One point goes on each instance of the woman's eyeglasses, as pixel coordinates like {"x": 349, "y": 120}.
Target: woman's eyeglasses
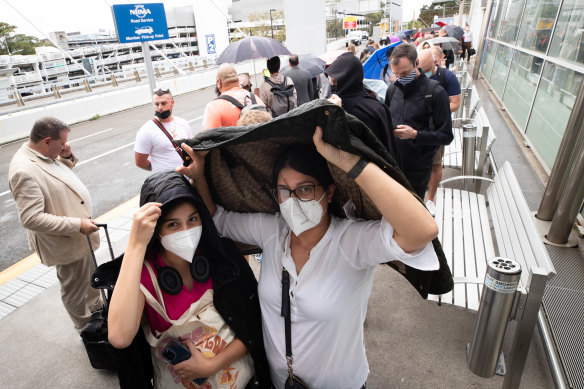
{"x": 302, "y": 193}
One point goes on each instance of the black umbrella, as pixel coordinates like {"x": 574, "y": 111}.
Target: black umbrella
{"x": 447, "y": 42}
{"x": 251, "y": 48}
{"x": 310, "y": 63}
{"x": 454, "y": 31}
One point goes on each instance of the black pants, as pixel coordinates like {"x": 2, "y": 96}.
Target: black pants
{"x": 466, "y": 50}
{"x": 419, "y": 180}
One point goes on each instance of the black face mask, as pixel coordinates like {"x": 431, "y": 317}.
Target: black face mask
{"x": 163, "y": 114}
{"x": 217, "y": 92}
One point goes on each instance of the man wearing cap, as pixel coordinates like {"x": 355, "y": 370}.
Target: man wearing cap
{"x": 225, "y": 109}
{"x": 154, "y": 150}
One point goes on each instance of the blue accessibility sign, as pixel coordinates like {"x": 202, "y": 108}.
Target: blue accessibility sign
{"x": 140, "y": 22}
{"x": 211, "y": 48}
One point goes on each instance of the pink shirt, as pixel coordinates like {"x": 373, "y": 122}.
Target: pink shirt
{"x": 175, "y": 305}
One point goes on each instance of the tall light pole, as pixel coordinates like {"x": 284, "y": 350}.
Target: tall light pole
{"x": 271, "y": 24}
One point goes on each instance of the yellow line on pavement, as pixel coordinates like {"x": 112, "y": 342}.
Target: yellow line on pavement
{"x": 18, "y": 268}
{"x": 32, "y": 260}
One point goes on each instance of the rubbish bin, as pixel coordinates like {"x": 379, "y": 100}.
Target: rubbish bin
{"x": 497, "y": 297}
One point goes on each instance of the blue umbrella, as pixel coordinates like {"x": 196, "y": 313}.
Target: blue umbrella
{"x": 406, "y": 32}
{"x": 372, "y": 68}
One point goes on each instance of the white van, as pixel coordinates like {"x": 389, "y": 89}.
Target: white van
{"x": 353, "y": 37}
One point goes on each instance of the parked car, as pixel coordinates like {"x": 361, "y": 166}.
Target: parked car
{"x": 353, "y": 37}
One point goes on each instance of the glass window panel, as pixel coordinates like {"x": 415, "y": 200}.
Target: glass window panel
{"x": 568, "y": 41}
{"x": 491, "y": 49}
{"x": 521, "y": 85}
{"x": 537, "y": 23}
{"x": 499, "y": 8}
{"x": 509, "y": 24}
{"x": 552, "y": 108}
{"x": 500, "y": 69}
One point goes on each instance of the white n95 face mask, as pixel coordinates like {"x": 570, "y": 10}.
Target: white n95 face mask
{"x": 301, "y": 215}
{"x": 183, "y": 243}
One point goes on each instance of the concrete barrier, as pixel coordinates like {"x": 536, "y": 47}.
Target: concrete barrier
{"x": 17, "y": 125}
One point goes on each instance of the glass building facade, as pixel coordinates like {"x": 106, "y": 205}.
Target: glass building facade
{"x": 534, "y": 63}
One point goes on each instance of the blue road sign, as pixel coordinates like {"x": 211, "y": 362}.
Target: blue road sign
{"x": 140, "y": 22}
{"x": 210, "y": 39}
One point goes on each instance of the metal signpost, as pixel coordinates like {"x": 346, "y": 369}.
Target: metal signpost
{"x": 141, "y": 23}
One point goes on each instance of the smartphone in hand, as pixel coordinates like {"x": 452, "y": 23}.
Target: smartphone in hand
{"x": 175, "y": 352}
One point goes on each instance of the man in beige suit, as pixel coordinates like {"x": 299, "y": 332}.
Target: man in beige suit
{"x": 55, "y": 207}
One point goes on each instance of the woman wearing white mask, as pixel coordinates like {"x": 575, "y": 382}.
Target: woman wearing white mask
{"x": 181, "y": 281}
{"x": 330, "y": 262}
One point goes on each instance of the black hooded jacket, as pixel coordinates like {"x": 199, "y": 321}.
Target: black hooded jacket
{"x": 408, "y": 107}
{"x": 357, "y": 101}
{"x": 234, "y": 285}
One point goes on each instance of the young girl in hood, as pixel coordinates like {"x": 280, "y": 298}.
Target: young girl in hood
{"x": 182, "y": 281}
{"x": 328, "y": 262}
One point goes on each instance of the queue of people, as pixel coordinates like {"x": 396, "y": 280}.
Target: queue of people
{"x": 182, "y": 278}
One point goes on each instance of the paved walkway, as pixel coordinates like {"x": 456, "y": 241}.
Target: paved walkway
{"x": 411, "y": 342}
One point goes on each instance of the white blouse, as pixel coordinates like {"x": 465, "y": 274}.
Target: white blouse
{"x": 328, "y": 299}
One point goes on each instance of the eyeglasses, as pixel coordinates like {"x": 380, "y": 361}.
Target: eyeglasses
{"x": 162, "y": 92}
{"x": 302, "y": 193}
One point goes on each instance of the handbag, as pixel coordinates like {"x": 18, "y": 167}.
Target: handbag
{"x": 292, "y": 382}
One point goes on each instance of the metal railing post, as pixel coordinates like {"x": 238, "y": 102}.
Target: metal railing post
{"x": 572, "y": 140}
{"x": 570, "y": 202}
{"x": 525, "y": 327}
{"x": 499, "y": 289}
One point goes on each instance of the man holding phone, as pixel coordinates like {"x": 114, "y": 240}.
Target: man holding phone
{"x": 154, "y": 150}
{"x": 420, "y": 113}
{"x": 55, "y": 207}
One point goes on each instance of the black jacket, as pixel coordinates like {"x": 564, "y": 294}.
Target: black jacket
{"x": 407, "y": 106}
{"x": 357, "y": 101}
{"x": 234, "y": 285}
{"x": 239, "y": 170}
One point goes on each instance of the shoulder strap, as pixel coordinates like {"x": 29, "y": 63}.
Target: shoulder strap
{"x": 231, "y": 99}
{"x": 286, "y": 312}
{"x": 429, "y": 101}
{"x": 270, "y": 82}
{"x": 253, "y": 98}
{"x": 174, "y": 145}
{"x": 442, "y": 76}
{"x": 385, "y": 70}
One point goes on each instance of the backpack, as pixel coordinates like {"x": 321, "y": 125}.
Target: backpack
{"x": 236, "y": 102}
{"x": 442, "y": 77}
{"x": 284, "y": 99}
{"x": 428, "y": 99}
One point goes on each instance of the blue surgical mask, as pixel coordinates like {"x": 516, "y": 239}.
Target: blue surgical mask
{"x": 407, "y": 79}
{"x": 428, "y": 74}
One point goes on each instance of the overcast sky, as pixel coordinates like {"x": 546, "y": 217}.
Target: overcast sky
{"x": 88, "y": 16}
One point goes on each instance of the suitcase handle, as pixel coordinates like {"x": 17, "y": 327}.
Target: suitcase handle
{"x": 103, "y": 295}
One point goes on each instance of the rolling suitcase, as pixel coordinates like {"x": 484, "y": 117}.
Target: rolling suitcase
{"x": 133, "y": 363}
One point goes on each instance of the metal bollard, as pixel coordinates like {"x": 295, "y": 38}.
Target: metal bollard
{"x": 469, "y": 144}
{"x": 497, "y": 297}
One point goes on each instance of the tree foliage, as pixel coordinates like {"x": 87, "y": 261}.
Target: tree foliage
{"x": 263, "y": 27}
{"x": 446, "y": 9}
{"x": 372, "y": 19}
{"x": 11, "y": 43}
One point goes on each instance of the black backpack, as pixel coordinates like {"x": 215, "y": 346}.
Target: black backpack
{"x": 284, "y": 99}
{"x": 428, "y": 99}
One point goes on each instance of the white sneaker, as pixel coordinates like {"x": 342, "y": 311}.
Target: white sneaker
{"x": 431, "y": 207}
